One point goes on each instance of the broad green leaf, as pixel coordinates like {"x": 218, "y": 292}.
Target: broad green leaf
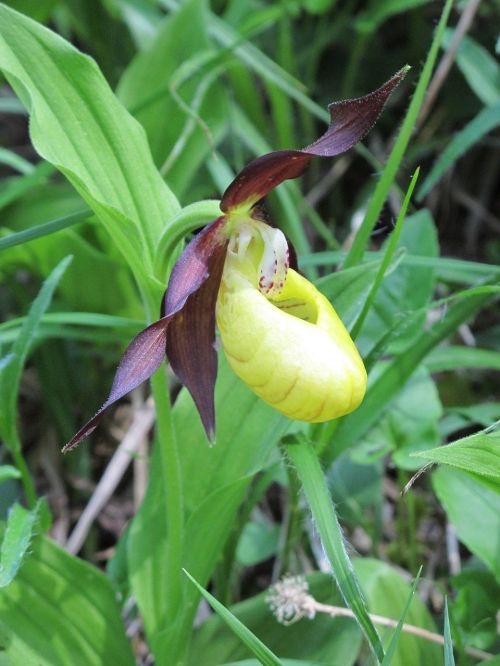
{"x": 10, "y": 375}
{"x": 485, "y": 121}
{"x": 62, "y": 610}
{"x": 214, "y": 481}
{"x": 387, "y": 385}
{"x": 79, "y": 126}
{"x": 256, "y": 646}
{"x": 322, "y": 640}
{"x": 407, "y": 288}
{"x": 474, "y": 510}
{"x": 388, "y": 255}
{"x": 478, "y": 455}
{"x": 480, "y": 69}
{"x": 410, "y": 424}
{"x": 16, "y": 541}
{"x": 387, "y": 595}
{"x": 258, "y": 542}
{"x": 476, "y": 602}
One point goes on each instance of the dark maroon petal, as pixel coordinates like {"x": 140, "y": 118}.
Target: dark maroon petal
{"x": 191, "y": 269}
{"x": 351, "y": 120}
{"x": 141, "y": 358}
{"x": 190, "y": 342}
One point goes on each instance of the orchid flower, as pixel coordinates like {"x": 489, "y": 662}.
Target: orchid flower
{"x": 280, "y": 335}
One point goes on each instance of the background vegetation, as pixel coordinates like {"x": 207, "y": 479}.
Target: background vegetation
{"x": 94, "y": 212}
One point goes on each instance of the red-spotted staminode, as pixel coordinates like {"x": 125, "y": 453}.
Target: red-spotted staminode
{"x": 280, "y": 335}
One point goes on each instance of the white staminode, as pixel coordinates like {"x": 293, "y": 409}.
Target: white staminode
{"x": 275, "y": 260}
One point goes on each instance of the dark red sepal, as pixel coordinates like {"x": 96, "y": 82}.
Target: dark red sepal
{"x": 190, "y": 342}
{"x": 147, "y": 350}
{"x": 351, "y": 120}
{"x": 191, "y": 269}
{"x": 141, "y": 358}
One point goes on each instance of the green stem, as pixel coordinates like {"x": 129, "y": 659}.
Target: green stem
{"x": 26, "y": 480}
{"x": 171, "y": 475}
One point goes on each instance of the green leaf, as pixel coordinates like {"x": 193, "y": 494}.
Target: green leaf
{"x": 168, "y": 79}
{"x": 309, "y": 471}
{"x": 10, "y": 375}
{"x": 16, "y": 541}
{"x": 386, "y": 181}
{"x": 214, "y": 481}
{"x": 387, "y": 257}
{"x": 379, "y": 11}
{"x": 485, "y": 121}
{"x": 59, "y": 596}
{"x": 388, "y": 384}
{"x": 387, "y": 594}
{"x": 79, "y": 126}
{"x": 478, "y": 455}
{"x": 41, "y": 230}
{"x": 335, "y": 641}
{"x": 457, "y": 357}
{"x": 477, "y": 600}
{"x": 257, "y": 647}
{"x": 480, "y": 69}
{"x": 473, "y": 509}
{"x": 449, "y": 659}
{"x": 391, "y": 650}
{"x": 8, "y": 471}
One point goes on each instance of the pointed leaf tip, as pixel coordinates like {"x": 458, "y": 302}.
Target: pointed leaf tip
{"x": 350, "y": 121}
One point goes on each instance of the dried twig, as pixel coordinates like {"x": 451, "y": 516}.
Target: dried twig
{"x": 290, "y": 601}
{"x": 447, "y": 60}
{"x": 141, "y": 424}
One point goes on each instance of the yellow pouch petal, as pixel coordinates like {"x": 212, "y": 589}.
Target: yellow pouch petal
{"x": 293, "y": 351}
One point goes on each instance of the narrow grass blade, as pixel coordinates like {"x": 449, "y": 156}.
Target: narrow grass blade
{"x": 449, "y": 659}
{"x": 306, "y": 462}
{"x": 485, "y": 121}
{"x": 262, "y": 652}
{"x": 16, "y": 541}
{"x": 11, "y": 373}
{"x": 391, "y": 650}
{"x": 15, "y": 161}
{"x": 45, "y": 229}
{"x": 385, "y": 183}
{"x": 388, "y": 255}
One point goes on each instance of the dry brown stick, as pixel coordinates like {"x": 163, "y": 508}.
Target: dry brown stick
{"x": 142, "y": 422}
{"x": 339, "y": 611}
{"x": 447, "y": 60}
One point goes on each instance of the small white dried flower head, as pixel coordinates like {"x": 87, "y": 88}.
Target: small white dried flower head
{"x": 289, "y": 600}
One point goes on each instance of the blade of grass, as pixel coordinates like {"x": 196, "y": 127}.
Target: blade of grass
{"x": 385, "y": 183}
{"x": 306, "y": 463}
{"x": 485, "y": 121}
{"x": 449, "y": 659}
{"x": 10, "y": 376}
{"x": 256, "y": 646}
{"x": 45, "y": 229}
{"x": 388, "y": 255}
{"x": 391, "y": 650}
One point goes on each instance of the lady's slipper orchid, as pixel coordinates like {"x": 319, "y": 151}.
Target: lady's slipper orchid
{"x": 280, "y": 335}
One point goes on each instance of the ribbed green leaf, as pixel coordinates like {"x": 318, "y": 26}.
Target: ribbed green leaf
{"x": 63, "y": 610}
{"x": 16, "y": 541}
{"x": 79, "y": 126}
